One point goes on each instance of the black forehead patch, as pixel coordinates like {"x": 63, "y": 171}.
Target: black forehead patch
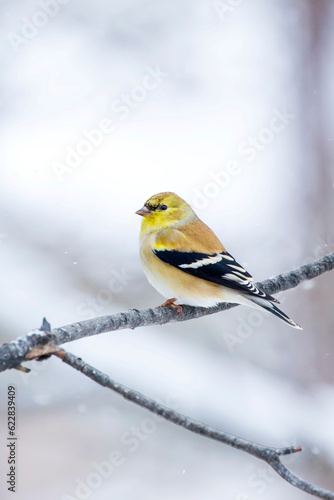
{"x": 154, "y": 204}
{"x": 150, "y": 206}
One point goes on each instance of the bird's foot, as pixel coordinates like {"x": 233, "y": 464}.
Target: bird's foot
{"x": 171, "y": 303}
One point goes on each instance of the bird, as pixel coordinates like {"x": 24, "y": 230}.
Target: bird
{"x": 185, "y": 262}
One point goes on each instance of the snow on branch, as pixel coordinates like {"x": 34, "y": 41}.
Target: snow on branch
{"x": 42, "y": 343}
{"x": 36, "y": 342}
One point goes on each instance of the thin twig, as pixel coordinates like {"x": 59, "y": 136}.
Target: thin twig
{"x": 269, "y": 455}
{"x": 37, "y": 341}
{"x": 42, "y": 343}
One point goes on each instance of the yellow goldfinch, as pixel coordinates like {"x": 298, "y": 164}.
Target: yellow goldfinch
{"x": 184, "y": 259}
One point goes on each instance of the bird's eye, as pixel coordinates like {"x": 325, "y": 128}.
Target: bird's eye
{"x": 163, "y": 207}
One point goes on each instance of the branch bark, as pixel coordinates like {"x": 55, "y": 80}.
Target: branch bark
{"x": 24, "y": 348}
{"x": 44, "y": 342}
{"x": 272, "y": 456}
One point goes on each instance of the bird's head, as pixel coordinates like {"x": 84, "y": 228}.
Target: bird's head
{"x": 164, "y": 210}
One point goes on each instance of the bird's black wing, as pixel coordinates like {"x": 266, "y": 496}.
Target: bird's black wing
{"x": 220, "y": 268}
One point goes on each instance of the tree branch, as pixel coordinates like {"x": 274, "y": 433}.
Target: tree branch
{"x": 269, "y": 455}
{"x": 42, "y": 343}
{"x": 38, "y": 343}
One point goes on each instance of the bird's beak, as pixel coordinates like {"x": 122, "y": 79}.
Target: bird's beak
{"x": 144, "y": 212}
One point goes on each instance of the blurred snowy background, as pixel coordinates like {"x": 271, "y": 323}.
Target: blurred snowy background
{"x": 229, "y": 104}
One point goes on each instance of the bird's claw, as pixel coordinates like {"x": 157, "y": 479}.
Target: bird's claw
{"x": 171, "y": 303}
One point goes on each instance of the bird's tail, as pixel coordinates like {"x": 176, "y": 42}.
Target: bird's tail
{"x": 269, "y": 306}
